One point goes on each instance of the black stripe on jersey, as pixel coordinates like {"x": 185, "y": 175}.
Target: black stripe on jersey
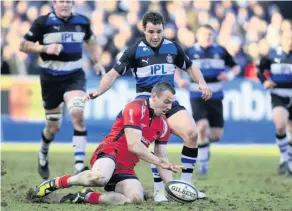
{"x": 63, "y": 57}
{"x": 284, "y": 85}
{"x": 143, "y": 89}
{"x": 211, "y": 80}
{"x": 120, "y": 134}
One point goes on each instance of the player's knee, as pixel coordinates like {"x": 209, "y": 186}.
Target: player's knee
{"x": 98, "y": 180}
{"x": 53, "y": 123}
{"x": 77, "y": 117}
{"x": 135, "y": 198}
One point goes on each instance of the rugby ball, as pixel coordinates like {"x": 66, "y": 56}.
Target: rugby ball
{"x": 180, "y": 191}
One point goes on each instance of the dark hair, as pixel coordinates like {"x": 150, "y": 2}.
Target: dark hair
{"x": 153, "y": 17}
{"x": 207, "y": 26}
{"x": 161, "y": 87}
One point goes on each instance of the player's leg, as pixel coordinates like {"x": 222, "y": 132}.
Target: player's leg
{"x": 128, "y": 190}
{"x": 216, "y": 121}
{"x": 98, "y": 176}
{"x": 200, "y": 115}
{"x": 289, "y": 134}
{"x": 52, "y": 102}
{"x": 73, "y": 98}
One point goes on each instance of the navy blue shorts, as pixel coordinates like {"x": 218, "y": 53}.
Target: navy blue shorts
{"x": 176, "y": 107}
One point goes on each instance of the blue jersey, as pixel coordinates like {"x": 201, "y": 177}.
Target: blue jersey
{"x": 211, "y": 61}
{"x": 50, "y": 29}
{"x": 279, "y": 65}
{"x": 152, "y": 65}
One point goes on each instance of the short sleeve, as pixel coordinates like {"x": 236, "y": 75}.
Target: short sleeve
{"x": 132, "y": 116}
{"x": 165, "y": 133}
{"x": 88, "y": 31}
{"x": 126, "y": 62}
{"x": 35, "y": 32}
{"x": 229, "y": 61}
{"x": 182, "y": 60}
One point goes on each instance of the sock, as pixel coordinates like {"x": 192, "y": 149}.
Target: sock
{"x": 62, "y": 182}
{"x": 290, "y": 155}
{"x": 158, "y": 183}
{"x": 203, "y": 155}
{"x": 45, "y": 144}
{"x": 188, "y": 160}
{"x": 92, "y": 198}
{"x": 282, "y": 142}
{"x": 79, "y": 145}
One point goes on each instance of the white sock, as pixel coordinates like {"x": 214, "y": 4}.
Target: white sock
{"x": 79, "y": 145}
{"x": 203, "y": 155}
{"x": 188, "y": 160}
{"x": 158, "y": 183}
{"x": 282, "y": 142}
{"x": 44, "y": 150}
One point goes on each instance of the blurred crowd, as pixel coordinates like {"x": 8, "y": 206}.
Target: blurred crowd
{"x": 247, "y": 29}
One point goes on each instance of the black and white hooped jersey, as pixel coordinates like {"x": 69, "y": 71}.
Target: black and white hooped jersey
{"x": 50, "y": 29}
{"x": 152, "y": 65}
{"x": 211, "y": 61}
{"x": 279, "y": 65}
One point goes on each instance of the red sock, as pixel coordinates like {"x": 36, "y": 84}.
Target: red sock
{"x": 62, "y": 182}
{"x": 92, "y": 198}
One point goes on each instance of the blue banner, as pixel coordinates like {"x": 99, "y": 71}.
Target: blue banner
{"x": 247, "y": 114}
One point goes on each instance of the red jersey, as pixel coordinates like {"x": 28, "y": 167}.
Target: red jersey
{"x": 137, "y": 114}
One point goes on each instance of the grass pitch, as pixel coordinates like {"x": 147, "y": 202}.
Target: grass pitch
{"x": 240, "y": 178}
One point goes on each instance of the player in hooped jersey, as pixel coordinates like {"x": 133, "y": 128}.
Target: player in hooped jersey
{"x": 141, "y": 123}
{"x": 58, "y": 38}
{"x": 279, "y": 64}
{"x": 212, "y": 59}
{"x": 154, "y": 59}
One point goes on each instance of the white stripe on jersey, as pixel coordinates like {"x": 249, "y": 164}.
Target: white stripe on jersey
{"x": 143, "y": 93}
{"x": 56, "y": 37}
{"x": 169, "y": 69}
{"x": 62, "y": 66}
{"x": 209, "y": 63}
{"x": 282, "y": 92}
{"x": 165, "y": 128}
{"x": 282, "y": 68}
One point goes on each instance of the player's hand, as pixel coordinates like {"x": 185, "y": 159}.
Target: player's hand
{"x": 206, "y": 92}
{"x": 53, "y": 49}
{"x": 183, "y": 83}
{"x": 222, "y": 77}
{"x": 268, "y": 84}
{"x": 91, "y": 95}
{"x": 172, "y": 167}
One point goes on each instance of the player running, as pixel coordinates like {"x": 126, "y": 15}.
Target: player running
{"x": 279, "y": 64}
{"x": 58, "y": 38}
{"x": 154, "y": 59}
{"x": 141, "y": 123}
{"x": 212, "y": 59}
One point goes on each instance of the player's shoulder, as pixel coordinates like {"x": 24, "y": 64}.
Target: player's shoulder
{"x": 219, "y": 48}
{"x": 78, "y": 18}
{"x": 274, "y": 52}
{"x": 42, "y": 19}
{"x": 137, "y": 103}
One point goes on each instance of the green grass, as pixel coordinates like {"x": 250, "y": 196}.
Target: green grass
{"x": 241, "y": 178}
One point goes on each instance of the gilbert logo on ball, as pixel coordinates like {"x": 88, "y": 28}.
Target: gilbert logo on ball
{"x": 181, "y": 191}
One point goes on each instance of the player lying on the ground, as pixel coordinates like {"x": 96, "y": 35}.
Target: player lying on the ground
{"x": 140, "y": 123}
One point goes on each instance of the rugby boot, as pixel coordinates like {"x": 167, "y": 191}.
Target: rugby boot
{"x": 283, "y": 167}
{"x": 43, "y": 166}
{"x": 45, "y": 188}
{"x": 76, "y": 198}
